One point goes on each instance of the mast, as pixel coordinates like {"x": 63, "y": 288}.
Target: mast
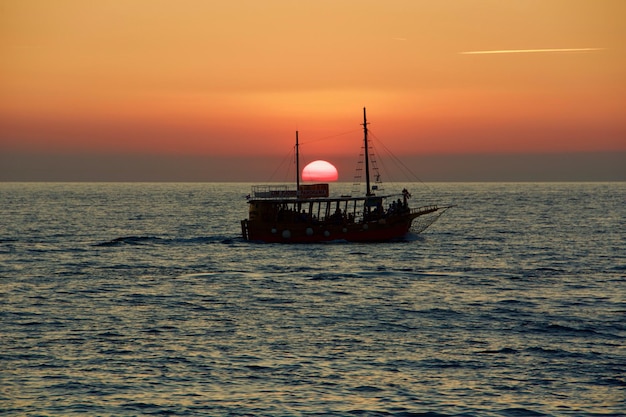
{"x": 367, "y": 161}
{"x": 297, "y": 167}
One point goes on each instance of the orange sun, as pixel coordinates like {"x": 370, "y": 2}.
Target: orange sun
{"x": 320, "y": 171}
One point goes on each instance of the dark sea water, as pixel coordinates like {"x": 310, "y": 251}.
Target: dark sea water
{"x": 142, "y": 299}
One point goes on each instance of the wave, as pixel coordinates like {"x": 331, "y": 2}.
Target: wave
{"x": 330, "y": 276}
{"x": 503, "y": 351}
{"x": 560, "y": 328}
{"x": 519, "y": 411}
{"x": 155, "y": 240}
{"x": 130, "y": 240}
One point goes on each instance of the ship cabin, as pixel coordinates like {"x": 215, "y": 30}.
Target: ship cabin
{"x": 312, "y": 204}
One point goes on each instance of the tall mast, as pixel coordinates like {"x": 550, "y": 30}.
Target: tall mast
{"x": 297, "y": 166}
{"x": 367, "y": 161}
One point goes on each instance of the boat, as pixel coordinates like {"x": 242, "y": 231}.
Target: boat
{"x": 308, "y": 214}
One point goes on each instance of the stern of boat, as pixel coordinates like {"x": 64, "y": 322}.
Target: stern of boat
{"x": 244, "y": 229}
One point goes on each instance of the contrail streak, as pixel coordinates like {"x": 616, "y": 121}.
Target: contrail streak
{"x": 526, "y": 51}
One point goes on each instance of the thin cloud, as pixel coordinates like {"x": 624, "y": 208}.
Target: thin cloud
{"x": 527, "y": 51}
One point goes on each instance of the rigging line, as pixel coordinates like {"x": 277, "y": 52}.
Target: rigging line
{"x": 399, "y": 162}
{"x": 280, "y": 166}
{"x": 383, "y": 167}
{"x": 328, "y": 137}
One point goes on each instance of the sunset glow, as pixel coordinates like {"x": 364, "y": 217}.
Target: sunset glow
{"x": 236, "y": 79}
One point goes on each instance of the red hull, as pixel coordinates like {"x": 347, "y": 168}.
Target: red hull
{"x": 374, "y": 231}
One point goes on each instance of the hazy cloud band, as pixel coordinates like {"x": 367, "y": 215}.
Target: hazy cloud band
{"x": 526, "y": 51}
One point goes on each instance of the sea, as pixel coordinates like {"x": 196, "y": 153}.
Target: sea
{"x": 139, "y": 299}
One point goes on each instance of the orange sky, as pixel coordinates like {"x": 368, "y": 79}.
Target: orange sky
{"x": 239, "y": 77}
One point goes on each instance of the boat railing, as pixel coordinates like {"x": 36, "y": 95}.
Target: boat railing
{"x": 273, "y": 191}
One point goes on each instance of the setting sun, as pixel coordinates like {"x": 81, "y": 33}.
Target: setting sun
{"x": 320, "y": 171}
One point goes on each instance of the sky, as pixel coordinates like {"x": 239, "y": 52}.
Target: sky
{"x": 215, "y": 90}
